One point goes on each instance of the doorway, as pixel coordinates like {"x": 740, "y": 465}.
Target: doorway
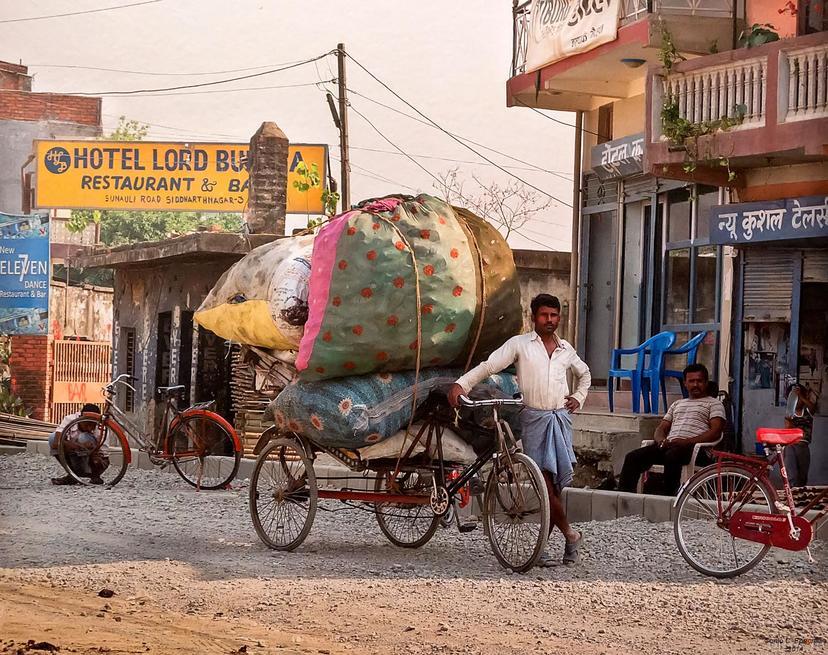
{"x": 599, "y": 293}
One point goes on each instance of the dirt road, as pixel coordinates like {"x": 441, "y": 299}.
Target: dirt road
{"x": 190, "y": 576}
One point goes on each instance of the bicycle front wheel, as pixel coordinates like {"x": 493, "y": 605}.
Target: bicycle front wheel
{"x": 203, "y": 450}
{"x": 283, "y": 494}
{"x": 94, "y": 450}
{"x": 516, "y": 507}
{"x": 703, "y": 513}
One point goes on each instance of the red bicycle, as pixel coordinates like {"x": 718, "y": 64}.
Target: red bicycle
{"x": 203, "y": 447}
{"x": 729, "y": 514}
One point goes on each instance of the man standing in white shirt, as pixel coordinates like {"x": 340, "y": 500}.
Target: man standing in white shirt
{"x": 542, "y": 360}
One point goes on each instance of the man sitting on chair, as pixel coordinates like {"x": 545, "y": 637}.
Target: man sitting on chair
{"x": 697, "y": 419}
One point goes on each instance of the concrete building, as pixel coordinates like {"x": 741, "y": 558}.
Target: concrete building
{"x": 683, "y": 125}
{"x": 41, "y": 368}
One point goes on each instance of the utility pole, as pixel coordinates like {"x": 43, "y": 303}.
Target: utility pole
{"x": 345, "y": 171}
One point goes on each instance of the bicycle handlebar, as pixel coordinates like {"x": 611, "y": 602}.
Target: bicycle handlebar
{"x": 109, "y": 388}
{"x": 493, "y": 402}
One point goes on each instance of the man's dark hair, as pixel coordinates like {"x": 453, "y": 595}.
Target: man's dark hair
{"x": 89, "y": 407}
{"x": 696, "y": 368}
{"x": 544, "y": 300}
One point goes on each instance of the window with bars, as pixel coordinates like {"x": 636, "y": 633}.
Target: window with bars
{"x": 127, "y": 367}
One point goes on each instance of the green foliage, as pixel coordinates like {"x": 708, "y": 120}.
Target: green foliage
{"x": 125, "y": 227}
{"x": 330, "y": 199}
{"x": 11, "y": 404}
{"x": 309, "y": 177}
{"x": 758, "y": 34}
{"x": 668, "y": 54}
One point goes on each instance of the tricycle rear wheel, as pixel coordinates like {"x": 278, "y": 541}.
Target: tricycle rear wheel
{"x": 406, "y": 526}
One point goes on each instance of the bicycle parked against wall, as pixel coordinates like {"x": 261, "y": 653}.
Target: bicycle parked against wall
{"x": 202, "y": 446}
{"x": 728, "y": 515}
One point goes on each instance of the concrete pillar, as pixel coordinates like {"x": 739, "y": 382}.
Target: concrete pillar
{"x": 267, "y": 196}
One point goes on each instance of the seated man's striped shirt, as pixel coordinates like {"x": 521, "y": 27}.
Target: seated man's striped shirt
{"x": 689, "y": 417}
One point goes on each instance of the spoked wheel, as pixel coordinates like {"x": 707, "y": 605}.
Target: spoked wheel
{"x": 203, "y": 451}
{"x": 703, "y": 512}
{"x": 94, "y": 451}
{"x": 407, "y": 526}
{"x": 283, "y": 494}
{"x": 516, "y": 507}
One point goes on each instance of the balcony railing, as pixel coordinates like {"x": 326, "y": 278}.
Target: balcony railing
{"x": 739, "y": 88}
{"x": 631, "y": 12}
{"x": 804, "y": 74}
{"x": 716, "y": 92}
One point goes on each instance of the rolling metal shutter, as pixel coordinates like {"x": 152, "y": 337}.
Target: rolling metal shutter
{"x": 639, "y": 187}
{"x": 815, "y": 266}
{"x": 768, "y": 284}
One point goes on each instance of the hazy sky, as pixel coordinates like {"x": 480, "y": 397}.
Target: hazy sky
{"x": 449, "y": 59}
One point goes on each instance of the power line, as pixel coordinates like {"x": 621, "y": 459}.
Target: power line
{"x": 376, "y": 176}
{"x": 560, "y": 122}
{"x": 430, "y": 174}
{"x": 197, "y": 93}
{"x": 465, "y": 145}
{"x": 459, "y": 161}
{"x": 479, "y": 145}
{"x": 545, "y": 245}
{"x": 159, "y": 73}
{"x": 203, "y": 84}
{"x": 78, "y": 13}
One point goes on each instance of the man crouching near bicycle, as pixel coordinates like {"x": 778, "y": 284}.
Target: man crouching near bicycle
{"x": 80, "y": 444}
{"x": 542, "y": 359}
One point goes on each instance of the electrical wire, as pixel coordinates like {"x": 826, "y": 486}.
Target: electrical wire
{"x": 369, "y": 173}
{"x": 459, "y": 161}
{"x": 560, "y": 174}
{"x": 471, "y": 203}
{"x": 78, "y": 13}
{"x": 158, "y": 73}
{"x": 560, "y": 122}
{"x": 196, "y": 93}
{"x": 465, "y": 145}
{"x": 203, "y": 84}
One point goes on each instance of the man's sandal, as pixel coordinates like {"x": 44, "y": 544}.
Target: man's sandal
{"x": 572, "y": 553}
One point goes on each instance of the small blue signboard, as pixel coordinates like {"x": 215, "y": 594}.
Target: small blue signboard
{"x": 24, "y": 274}
{"x": 777, "y": 220}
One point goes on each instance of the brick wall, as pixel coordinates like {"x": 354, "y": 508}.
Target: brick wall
{"x": 14, "y": 76}
{"x": 31, "y": 375}
{"x": 24, "y": 106}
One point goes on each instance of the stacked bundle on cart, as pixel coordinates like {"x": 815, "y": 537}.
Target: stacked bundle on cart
{"x": 386, "y": 302}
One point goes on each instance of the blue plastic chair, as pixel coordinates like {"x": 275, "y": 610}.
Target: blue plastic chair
{"x": 646, "y": 375}
{"x": 691, "y": 349}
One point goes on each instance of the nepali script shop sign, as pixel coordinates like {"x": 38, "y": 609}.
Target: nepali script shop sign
{"x": 751, "y": 222}
{"x": 139, "y": 175}
{"x": 24, "y": 274}
{"x": 560, "y": 28}
{"x": 618, "y": 158}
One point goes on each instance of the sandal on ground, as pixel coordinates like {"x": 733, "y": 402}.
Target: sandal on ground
{"x": 96, "y": 480}
{"x": 66, "y": 479}
{"x": 572, "y": 553}
{"x": 547, "y": 561}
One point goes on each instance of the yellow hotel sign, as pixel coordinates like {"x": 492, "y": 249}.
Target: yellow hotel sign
{"x": 130, "y": 175}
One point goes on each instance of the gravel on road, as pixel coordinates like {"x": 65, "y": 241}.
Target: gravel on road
{"x": 169, "y": 551}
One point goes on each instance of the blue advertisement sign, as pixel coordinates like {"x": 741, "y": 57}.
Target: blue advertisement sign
{"x": 776, "y": 220}
{"x": 24, "y": 274}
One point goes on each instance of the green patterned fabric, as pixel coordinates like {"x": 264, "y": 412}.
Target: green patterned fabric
{"x": 367, "y": 265}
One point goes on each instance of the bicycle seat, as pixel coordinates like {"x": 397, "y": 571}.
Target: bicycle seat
{"x": 169, "y": 391}
{"x": 778, "y": 436}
